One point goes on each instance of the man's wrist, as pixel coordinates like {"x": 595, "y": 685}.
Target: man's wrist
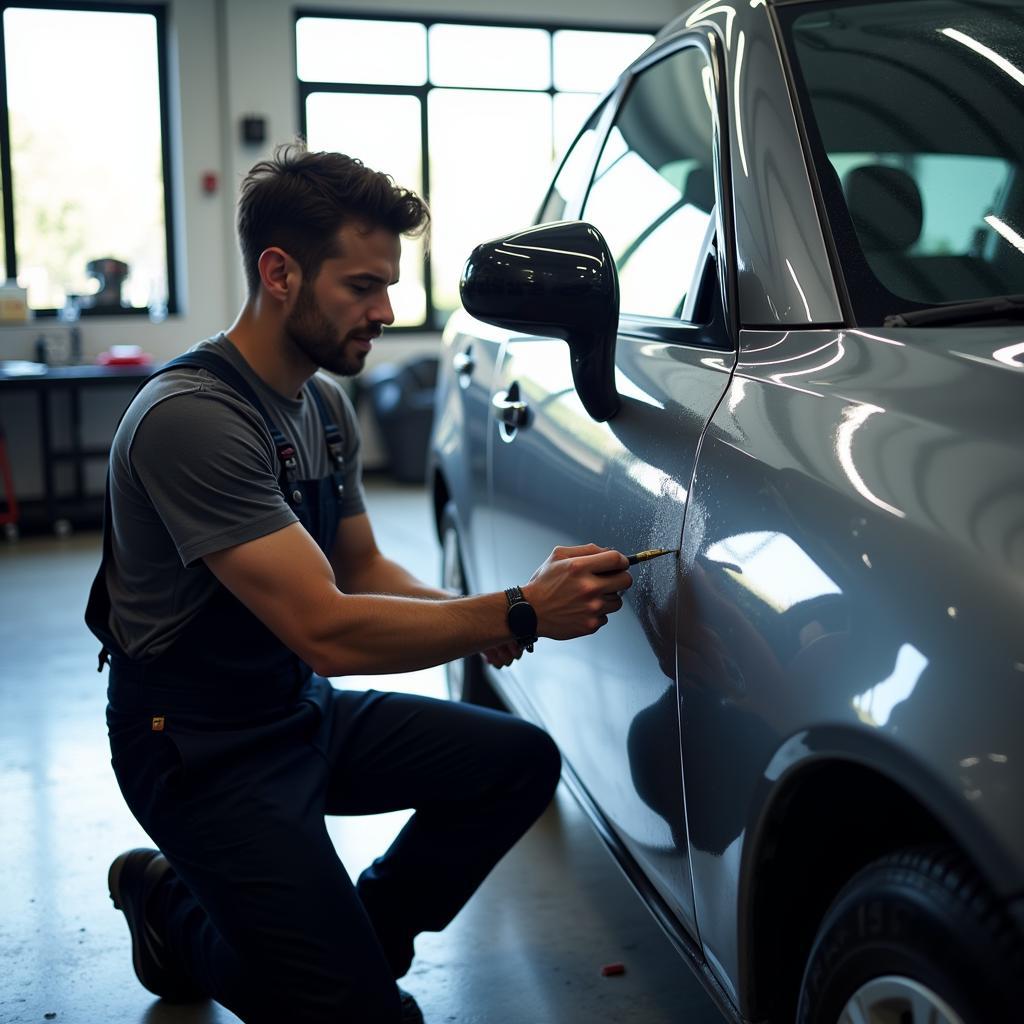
{"x": 521, "y": 617}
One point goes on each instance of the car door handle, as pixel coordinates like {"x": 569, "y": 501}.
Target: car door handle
{"x": 509, "y": 409}
{"x": 463, "y": 363}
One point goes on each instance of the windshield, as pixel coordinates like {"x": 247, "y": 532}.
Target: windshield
{"x": 915, "y": 119}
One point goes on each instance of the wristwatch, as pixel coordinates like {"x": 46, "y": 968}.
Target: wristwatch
{"x": 522, "y": 619}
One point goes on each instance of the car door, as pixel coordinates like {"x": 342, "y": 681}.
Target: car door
{"x": 560, "y": 477}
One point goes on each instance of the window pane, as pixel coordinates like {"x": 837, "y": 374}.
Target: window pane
{"x": 498, "y": 58}
{"x": 490, "y": 159}
{"x": 87, "y": 163}
{"x": 654, "y": 190}
{"x": 351, "y": 123}
{"x": 350, "y": 50}
{"x": 956, "y": 193}
{"x": 591, "y": 61}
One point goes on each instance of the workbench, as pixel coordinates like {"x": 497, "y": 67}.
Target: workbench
{"x": 47, "y": 382}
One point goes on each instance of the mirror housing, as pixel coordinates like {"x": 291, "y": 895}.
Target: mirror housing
{"x": 557, "y": 280}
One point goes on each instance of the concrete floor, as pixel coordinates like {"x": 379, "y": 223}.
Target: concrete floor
{"x": 526, "y": 950}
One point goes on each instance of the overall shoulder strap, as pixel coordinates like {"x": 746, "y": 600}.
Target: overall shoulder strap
{"x": 331, "y": 432}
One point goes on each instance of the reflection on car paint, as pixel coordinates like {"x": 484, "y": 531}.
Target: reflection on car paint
{"x": 874, "y": 706}
{"x": 854, "y": 418}
{"x": 772, "y": 567}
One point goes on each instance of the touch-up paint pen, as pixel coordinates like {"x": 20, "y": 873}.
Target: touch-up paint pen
{"x": 646, "y": 556}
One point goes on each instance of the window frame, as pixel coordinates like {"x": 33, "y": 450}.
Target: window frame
{"x": 433, "y": 318}
{"x": 159, "y": 14}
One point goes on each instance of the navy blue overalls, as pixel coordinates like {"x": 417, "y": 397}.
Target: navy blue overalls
{"x": 230, "y": 751}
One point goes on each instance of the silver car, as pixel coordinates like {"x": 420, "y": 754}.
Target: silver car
{"x": 771, "y": 315}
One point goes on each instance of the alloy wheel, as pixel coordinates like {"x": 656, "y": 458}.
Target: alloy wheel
{"x": 896, "y": 1000}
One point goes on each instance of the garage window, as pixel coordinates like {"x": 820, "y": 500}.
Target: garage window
{"x": 472, "y": 116}
{"x": 83, "y": 151}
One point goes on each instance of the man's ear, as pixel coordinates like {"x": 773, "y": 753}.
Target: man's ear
{"x": 280, "y": 275}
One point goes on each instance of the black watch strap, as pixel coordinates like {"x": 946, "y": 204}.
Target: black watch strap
{"x": 522, "y": 619}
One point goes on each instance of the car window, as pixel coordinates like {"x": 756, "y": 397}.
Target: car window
{"x": 956, "y": 191}
{"x": 654, "y": 188}
{"x": 571, "y": 180}
{"x": 915, "y": 114}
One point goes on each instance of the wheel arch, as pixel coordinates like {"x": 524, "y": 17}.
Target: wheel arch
{"x": 823, "y": 819}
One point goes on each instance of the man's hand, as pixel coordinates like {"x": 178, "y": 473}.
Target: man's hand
{"x": 503, "y": 656}
{"x": 576, "y": 589}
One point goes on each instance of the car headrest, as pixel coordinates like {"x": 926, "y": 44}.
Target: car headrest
{"x": 885, "y": 206}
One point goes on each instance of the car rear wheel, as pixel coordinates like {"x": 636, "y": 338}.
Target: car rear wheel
{"x": 465, "y": 677}
{"x": 914, "y": 938}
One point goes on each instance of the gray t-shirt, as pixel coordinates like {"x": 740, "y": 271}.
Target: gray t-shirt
{"x": 193, "y": 470}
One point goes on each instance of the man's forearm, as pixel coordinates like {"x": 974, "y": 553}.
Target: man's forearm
{"x": 340, "y": 633}
{"x": 382, "y": 576}
{"x": 371, "y": 634}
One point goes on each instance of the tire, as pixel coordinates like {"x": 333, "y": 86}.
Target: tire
{"x": 914, "y": 938}
{"x": 466, "y": 678}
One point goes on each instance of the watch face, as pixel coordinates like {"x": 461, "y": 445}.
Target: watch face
{"x": 522, "y": 620}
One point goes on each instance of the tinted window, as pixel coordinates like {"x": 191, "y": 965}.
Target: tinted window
{"x": 915, "y": 112}
{"x": 653, "y": 191}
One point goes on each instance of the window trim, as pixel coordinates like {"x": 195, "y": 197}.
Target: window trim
{"x": 159, "y": 14}
{"x": 432, "y": 317}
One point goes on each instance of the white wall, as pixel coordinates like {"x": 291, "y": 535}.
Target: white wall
{"x": 230, "y": 58}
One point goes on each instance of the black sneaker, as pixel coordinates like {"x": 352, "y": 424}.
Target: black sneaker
{"x": 411, "y": 1013}
{"x": 132, "y": 878}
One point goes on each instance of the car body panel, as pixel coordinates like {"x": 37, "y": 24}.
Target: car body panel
{"x": 461, "y": 425}
{"x": 853, "y": 560}
{"x": 626, "y": 484}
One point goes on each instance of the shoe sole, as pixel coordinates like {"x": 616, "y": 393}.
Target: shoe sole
{"x": 151, "y": 975}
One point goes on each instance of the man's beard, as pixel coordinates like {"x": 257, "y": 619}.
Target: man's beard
{"x": 318, "y": 339}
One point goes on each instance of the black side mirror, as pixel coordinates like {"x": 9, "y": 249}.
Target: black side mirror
{"x": 557, "y": 280}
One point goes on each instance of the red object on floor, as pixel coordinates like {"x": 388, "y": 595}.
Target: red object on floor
{"x": 10, "y": 514}
{"x": 609, "y": 969}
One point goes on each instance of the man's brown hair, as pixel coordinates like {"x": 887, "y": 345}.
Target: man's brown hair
{"x": 298, "y": 200}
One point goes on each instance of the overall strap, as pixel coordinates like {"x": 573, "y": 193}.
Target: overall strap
{"x": 97, "y": 608}
{"x": 332, "y": 435}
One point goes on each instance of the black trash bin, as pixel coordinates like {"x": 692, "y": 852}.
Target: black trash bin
{"x": 402, "y": 398}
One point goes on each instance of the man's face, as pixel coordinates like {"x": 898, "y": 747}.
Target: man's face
{"x": 337, "y": 315}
